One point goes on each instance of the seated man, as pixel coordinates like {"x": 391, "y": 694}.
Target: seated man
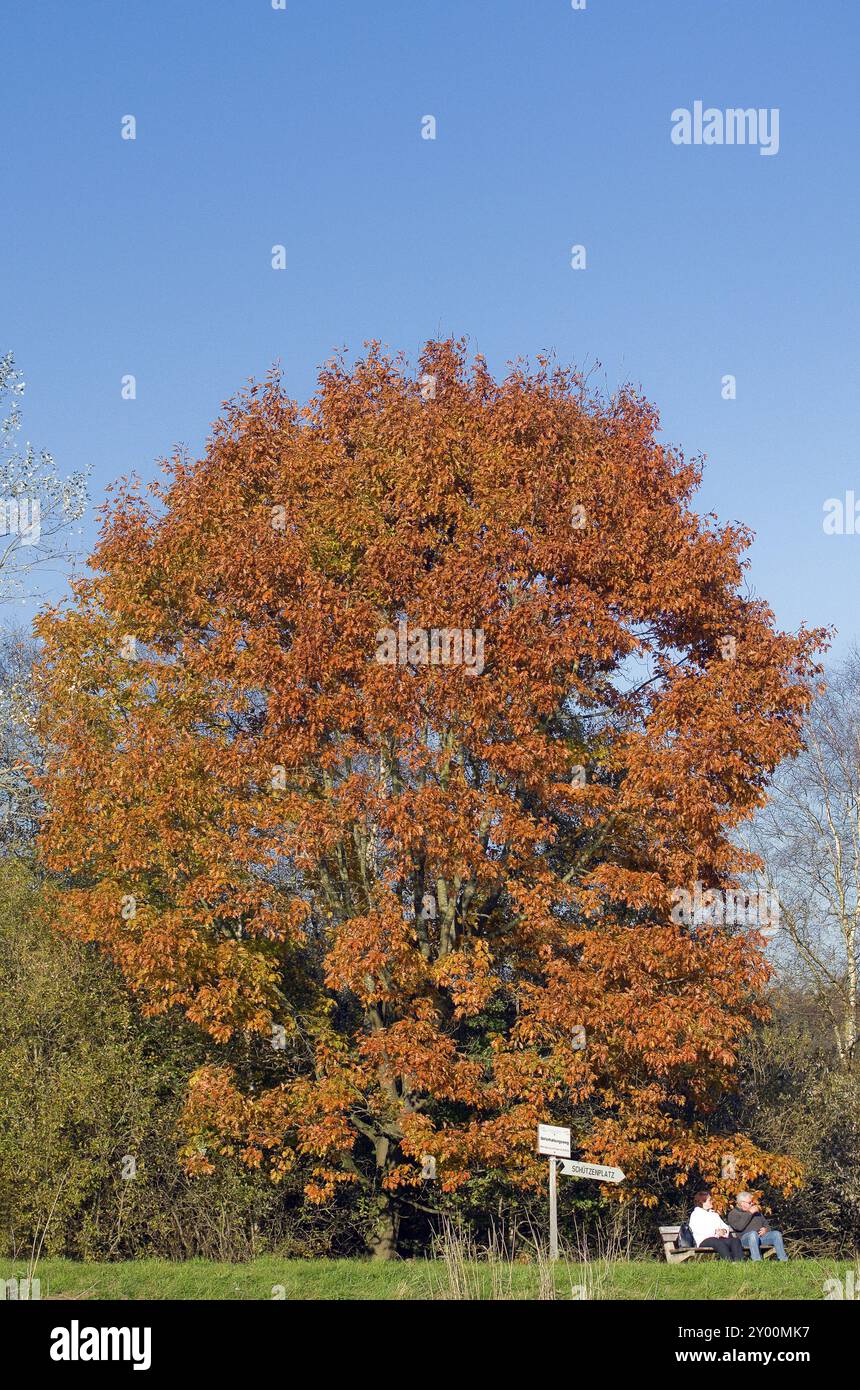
{"x": 746, "y": 1219}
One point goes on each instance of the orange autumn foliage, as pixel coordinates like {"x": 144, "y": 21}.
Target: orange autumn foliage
{"x": 431, "y": 878}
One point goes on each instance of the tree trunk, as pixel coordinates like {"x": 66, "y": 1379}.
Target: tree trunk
{"x": 382, "y": 1242}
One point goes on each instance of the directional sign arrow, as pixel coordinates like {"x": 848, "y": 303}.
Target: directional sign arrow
{"x": 572, "y": 1169}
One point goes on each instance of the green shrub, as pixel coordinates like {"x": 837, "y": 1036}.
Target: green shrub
{"x": 89, "y": 1098}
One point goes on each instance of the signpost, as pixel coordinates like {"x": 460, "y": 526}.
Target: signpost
{"x": 554, "y": 1143}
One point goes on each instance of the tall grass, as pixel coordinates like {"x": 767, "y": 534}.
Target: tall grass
{"x": 462, "y": 1268}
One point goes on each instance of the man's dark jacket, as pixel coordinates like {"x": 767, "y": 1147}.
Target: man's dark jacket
{"x": 745, "y": 1221}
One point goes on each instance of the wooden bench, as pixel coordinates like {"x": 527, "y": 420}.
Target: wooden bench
{"x": 669, "y": 1234}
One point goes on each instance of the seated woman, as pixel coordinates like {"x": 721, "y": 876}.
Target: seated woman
{"x": 710, "y": 1230}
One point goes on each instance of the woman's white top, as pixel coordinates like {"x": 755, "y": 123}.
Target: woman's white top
{"x": 705, "y": 1223}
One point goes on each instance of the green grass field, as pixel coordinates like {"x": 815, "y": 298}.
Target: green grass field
{"x": 429, "y": 1279}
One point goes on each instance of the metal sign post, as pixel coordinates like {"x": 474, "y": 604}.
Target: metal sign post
{"x": 554, "y": 1143}
{"x": 553, "y": 1210}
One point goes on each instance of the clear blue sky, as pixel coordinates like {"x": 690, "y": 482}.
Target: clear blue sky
{"x": 303, "y": 127}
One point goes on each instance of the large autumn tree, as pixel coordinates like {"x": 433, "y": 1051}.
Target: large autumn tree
{"x": 385, "y": 733}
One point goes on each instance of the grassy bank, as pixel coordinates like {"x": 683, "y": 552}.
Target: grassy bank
{"x": 428, "y": 1279}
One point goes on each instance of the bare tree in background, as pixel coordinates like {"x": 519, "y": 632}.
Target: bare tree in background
{"x": 809, "y": 838}
{"x": 38, "y": 512}
{"x": 38, "y": 507}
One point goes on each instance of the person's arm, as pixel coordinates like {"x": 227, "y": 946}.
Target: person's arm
{"x": 738, "y": 1220}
